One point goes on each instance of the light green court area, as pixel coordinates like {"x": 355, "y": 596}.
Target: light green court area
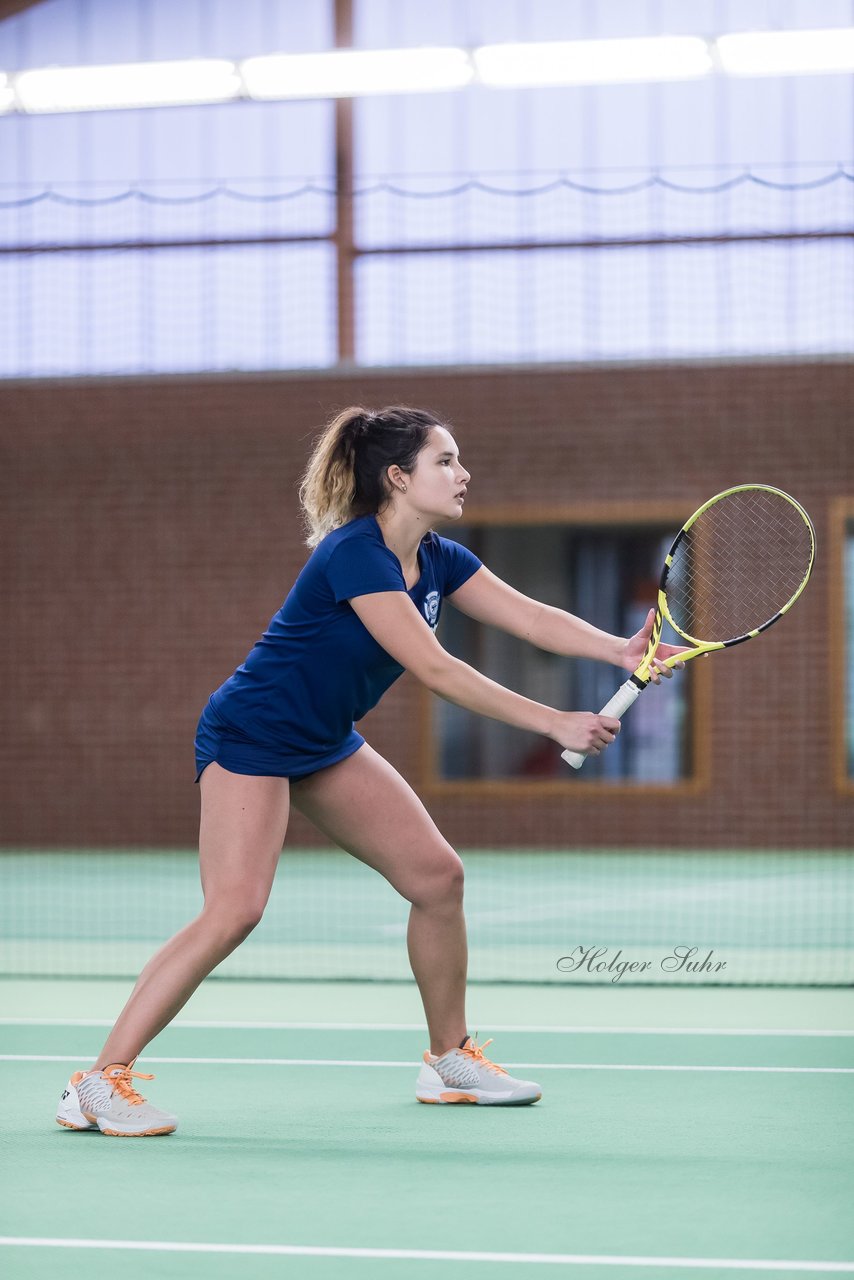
{"x": 770, "y": 917}
{"x": 682, "y": 1133}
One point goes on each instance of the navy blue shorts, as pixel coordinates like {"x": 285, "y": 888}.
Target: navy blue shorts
{"x": 217, "y": 741}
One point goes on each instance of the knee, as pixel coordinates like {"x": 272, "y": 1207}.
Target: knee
{"x": 441, "y": 885}
{"x": 233, "y": 918}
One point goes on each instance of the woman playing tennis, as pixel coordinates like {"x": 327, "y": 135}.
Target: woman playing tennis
{"x": 280, "y": 731}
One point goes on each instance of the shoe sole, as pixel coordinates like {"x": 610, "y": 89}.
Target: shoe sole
{"x": 456, "y": 1096}
{"x": 118, "y": 1133}
{"x": 135, "y": 1133}
{"x": 71, "y": 1115}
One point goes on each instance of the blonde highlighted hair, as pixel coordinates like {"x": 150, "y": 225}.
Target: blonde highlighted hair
{"x": 346, "y": 473}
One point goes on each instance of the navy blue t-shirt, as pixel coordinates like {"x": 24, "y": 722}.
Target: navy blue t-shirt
{"x": 317, "y": 668}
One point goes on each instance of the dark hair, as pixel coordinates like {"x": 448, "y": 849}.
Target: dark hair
{"x": 346, "y": 475}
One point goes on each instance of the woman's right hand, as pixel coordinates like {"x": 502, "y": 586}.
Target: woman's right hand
{"x": 585, "y": 732}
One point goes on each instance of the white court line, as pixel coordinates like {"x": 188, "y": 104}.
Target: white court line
{"x": 419, "y": 1026}
{"x": 346, "y": 1062}
{"x": 435, "y": 1255}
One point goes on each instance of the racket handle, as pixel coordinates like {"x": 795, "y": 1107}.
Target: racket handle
{"x": 617, "y": 707}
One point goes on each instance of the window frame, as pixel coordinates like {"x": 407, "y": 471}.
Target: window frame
{"x": 591, "y": 515}
{"x": 841, "y": 515}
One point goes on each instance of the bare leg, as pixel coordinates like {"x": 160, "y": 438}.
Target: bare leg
{"x": 243, "y": 825}
{"x": 367, "y": 808}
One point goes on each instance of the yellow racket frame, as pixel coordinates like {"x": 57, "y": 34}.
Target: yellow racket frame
{"x": 640, "y": 678}
{"x": 642, "y": 674}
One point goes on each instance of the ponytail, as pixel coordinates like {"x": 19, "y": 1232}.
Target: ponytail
{"x": 346, "y": 473}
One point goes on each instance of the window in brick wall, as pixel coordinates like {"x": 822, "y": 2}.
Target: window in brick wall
{"x": 609, "y": 577}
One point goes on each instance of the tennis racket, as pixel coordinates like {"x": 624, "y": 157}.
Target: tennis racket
{"x": 733, "y": 569}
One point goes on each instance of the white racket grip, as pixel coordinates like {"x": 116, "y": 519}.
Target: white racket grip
{"x": 617, "y": 707}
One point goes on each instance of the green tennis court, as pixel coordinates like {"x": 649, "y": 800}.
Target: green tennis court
{"x": 303, "y": 1151}
{"x": 686, "y": 1128}
{"x": 769, "y": 917}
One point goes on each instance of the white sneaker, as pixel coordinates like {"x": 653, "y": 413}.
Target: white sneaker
{"x": 465, "y": 1075}
{"x": 106, "y": 1100}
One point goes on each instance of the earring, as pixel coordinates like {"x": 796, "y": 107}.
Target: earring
{"x": 403, "y": 488}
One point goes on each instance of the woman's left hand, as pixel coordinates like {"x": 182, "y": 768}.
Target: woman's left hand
{"x": 635, "y": 648}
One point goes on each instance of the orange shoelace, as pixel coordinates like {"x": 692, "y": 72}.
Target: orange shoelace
{"x": 475, "y": 1052}
{"x": 122, "y": 1082}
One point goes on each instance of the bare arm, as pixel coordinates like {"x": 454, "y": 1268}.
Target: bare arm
{"x": 397, "y": 626}
{"x": 487, "y": 599}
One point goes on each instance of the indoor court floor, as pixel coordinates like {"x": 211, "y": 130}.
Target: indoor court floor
{"x": 682, "y": 1133}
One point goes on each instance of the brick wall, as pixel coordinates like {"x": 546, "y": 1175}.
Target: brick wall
{"x": 150, "y": 530}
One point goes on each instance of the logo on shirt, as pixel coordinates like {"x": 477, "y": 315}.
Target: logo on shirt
{"x": 431, "y": 609}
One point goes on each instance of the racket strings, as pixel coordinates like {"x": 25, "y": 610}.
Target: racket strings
{"x": 742, "y": 560}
